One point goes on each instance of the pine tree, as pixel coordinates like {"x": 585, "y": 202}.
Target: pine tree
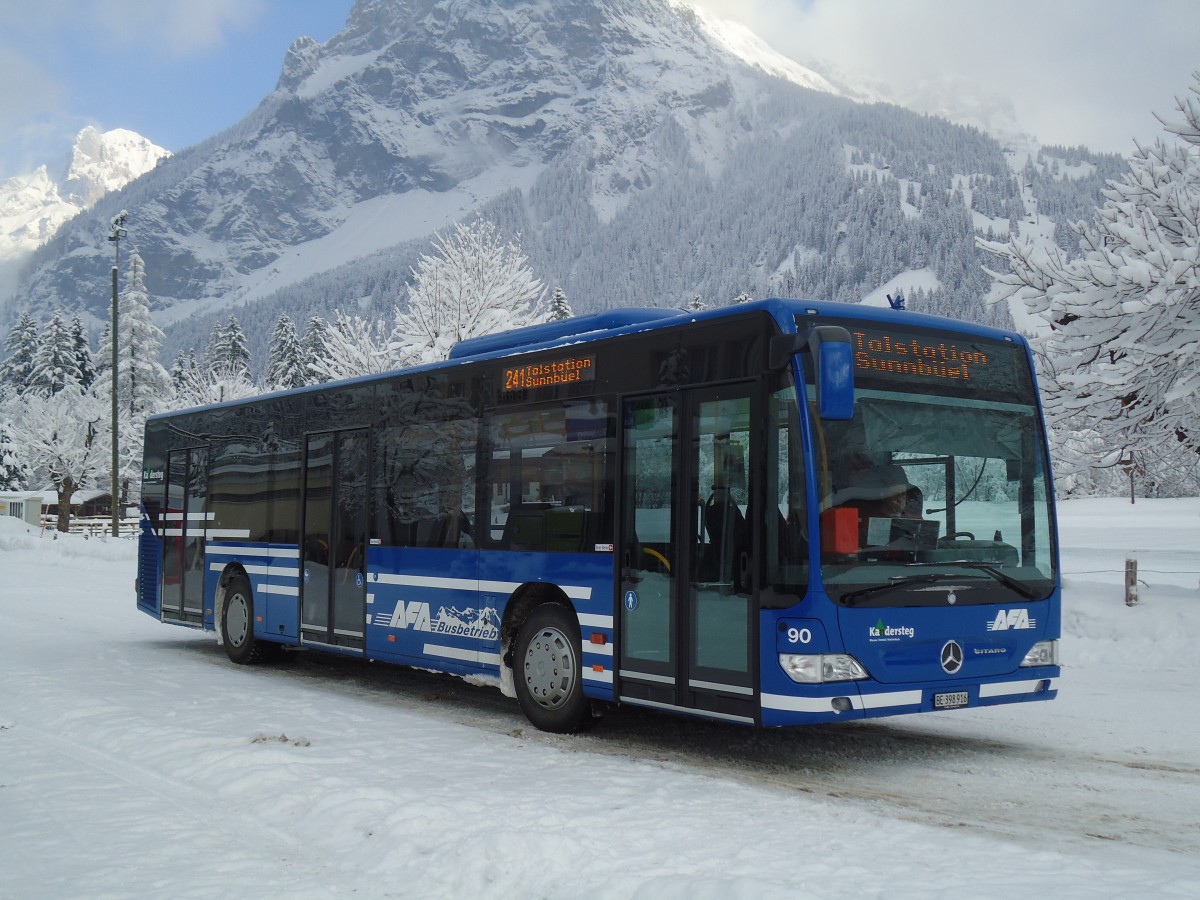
{"x": 313, "y": 348}
{"x": 226, "y": 352}
{"x": 142, "y": 382}
{"x": 54, "y": 363}
{"x": 474, "y": 285}
{"x": 20, "y": 347}
{"x": 285, "y": 366}
{"x": 183, "y": 369}
{"x": 1124, "y": 349}
{"x": 560, "y": 309}
{"x": 14, "y": 474}
{"x": 84, "y": 361}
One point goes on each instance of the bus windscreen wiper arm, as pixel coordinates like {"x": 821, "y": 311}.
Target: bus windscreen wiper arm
{"x": 896, "y": 581}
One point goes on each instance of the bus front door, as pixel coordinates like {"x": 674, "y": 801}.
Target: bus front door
{"x": 333, "y": 545}
{"x": 686, "y": 612}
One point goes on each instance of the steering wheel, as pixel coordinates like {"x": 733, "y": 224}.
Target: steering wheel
{"x": 957, "y": 534}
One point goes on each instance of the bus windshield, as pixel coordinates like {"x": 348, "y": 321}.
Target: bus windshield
{"x": 937, "y": 491}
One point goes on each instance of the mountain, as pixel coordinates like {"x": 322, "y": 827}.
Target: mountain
{"x": 645, "y": 153}
{"x": 35, "y": 206}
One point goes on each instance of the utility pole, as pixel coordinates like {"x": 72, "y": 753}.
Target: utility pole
{"x": 115, "y": 233}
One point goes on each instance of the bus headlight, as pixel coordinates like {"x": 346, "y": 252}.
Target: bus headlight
{"x": 1043, "y": 653}
{"x": 816, "y": 668}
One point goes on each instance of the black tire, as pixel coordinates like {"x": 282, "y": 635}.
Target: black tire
{"x": 237, "y": 625}
{"x": 547, "y": 670}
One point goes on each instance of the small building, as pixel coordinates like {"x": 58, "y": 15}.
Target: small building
{"x": 84, "y": 504}
{"x": 23, "y": 505}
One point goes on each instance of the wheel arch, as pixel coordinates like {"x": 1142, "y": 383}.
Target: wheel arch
{"x": 228, "y": 574}
{"x": 520, "y": 604}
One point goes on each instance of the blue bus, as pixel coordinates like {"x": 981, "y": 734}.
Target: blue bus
{"x": 776, "y": 513}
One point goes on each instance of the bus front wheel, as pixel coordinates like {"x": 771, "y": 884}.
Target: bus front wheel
{"x": 548, "y": 676}
{"x": 237, "y": 624}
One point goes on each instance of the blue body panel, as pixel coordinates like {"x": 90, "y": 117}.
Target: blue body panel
{"x": 901, "y": 650}
{"x": 443, "y": 608}
{"x": 274, "y": 573}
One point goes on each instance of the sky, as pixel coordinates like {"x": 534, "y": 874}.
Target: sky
{"x": 1077, "y": 71}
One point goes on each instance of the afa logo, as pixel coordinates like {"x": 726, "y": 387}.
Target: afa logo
{"x": 483, "y": 624}
{"x": 1012, "y": 620}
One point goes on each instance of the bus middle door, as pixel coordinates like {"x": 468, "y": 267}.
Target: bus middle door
{"x": 333, "y": 545}
{"x": 686, "y": 610}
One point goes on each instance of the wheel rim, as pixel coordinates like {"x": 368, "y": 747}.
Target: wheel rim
{"x": 237, "y": 619}
{"x": 550, "y": 668}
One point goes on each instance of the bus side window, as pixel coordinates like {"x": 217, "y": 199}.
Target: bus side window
{"x": 424, "y": 468}
{"x": 548, "y": 477}
{"x": 786, "y": 538}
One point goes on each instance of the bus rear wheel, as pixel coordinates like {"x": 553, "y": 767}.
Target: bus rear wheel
{"x": 237, "y": 625}
{"x": 548, "y": 676}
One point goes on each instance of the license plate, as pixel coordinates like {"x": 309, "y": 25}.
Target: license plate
{"x": 952, "y": 700}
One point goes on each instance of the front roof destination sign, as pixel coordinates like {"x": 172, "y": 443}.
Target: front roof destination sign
{"x": 552, "y": 373}
{"x": 930, "y": 360}
{"x": 886, "y": 352}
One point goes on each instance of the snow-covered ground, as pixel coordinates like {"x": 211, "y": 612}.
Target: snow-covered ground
{"x": 136, "y": 761}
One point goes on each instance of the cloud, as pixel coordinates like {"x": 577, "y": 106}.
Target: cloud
{"x": 181, "y": 28}
{"x": 1077, "y": 71}
{"x": 159, "y": 27}
{"x": 31, "y": 116}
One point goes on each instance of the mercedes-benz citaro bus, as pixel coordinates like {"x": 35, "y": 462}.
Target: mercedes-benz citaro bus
{"x": 774, "y": 513}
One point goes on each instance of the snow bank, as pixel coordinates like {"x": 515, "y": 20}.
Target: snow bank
{"x": 136, "y": 761}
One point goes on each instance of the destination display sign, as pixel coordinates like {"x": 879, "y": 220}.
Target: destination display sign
{"x": 929, "y": 360}
{"x": 550, "y": 373}
{"x": 890, "y": 353}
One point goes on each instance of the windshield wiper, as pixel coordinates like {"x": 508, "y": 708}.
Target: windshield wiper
{"x": 896, "y": 581}
{"x": 988, "y": 567}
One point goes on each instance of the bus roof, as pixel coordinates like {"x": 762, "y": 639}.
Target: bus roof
{"x": 631, "y": 320}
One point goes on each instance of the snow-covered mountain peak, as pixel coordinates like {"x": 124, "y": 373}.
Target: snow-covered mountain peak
{"x": 107, "y": 161}
{"x": 35, "y": 205}
{"x": 750, "y": 48}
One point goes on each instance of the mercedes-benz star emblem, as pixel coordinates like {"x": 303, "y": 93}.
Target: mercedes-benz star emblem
{"x": 952, "y": 657}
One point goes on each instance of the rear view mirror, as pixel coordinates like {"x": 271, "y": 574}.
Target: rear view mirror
{"x": 833, "y": 362}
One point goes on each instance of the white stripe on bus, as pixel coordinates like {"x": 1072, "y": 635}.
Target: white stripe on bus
{"x": 475, "y": 656}
{"x": 240, "y": 550}
{"x": 1010, "y": 688}
{"x": 469, "y": 584}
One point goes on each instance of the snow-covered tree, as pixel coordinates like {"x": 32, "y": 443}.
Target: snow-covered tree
{"x": 183, "y": 369}
{"x": 473, "y": 285}
{"x": 312, "y": 347}
{"x": 55, "y": 364}
{"x": 226, "y": 351}
{"x": 285, "y": 362}
{"x": 696, "y": 304}
{"x": 559, "y": 307}
{"x": 1124, "y": 344}
{"x": 142, "y": 382}
{"x": 20, "y": 347}
{"x": 82, "y": 345}
{"x": 14, "y": 473}
{"x": 353, "y": 346}
{"x": 64, "y": 437}
{"x": 199, "y": 386}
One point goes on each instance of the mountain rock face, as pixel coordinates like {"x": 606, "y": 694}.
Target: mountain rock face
{"x": 442, "y": 105}
{"x": 644, "y": 153}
